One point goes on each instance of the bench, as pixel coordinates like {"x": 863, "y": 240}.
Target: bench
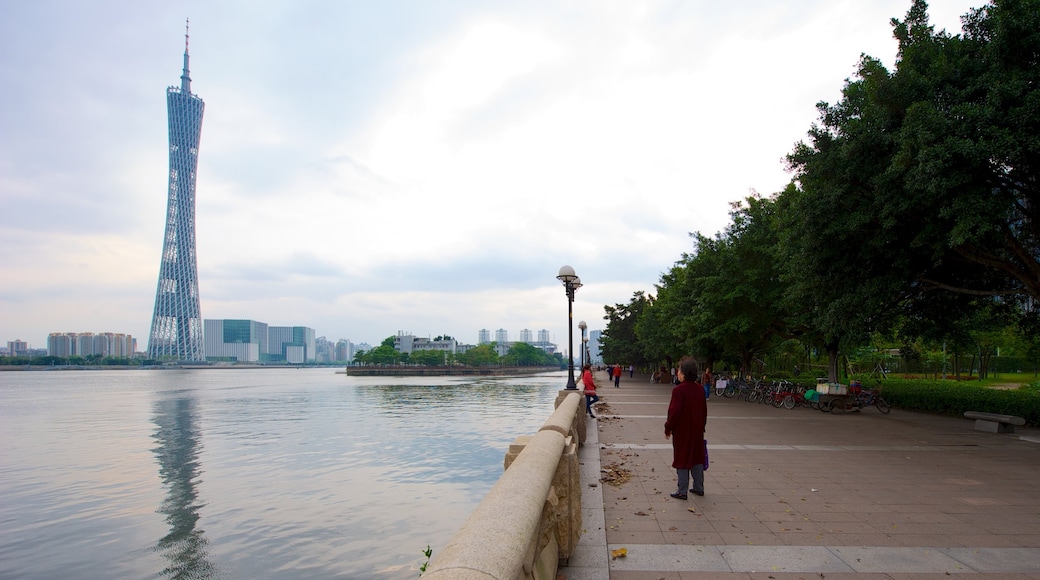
{"x": 994, "y": 422}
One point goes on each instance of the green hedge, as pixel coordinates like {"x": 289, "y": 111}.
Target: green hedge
{"x": 954, "y": 398}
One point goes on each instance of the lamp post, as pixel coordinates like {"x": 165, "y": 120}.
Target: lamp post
{"x": 582, "y": 326}
{"x": 571, "y": 282}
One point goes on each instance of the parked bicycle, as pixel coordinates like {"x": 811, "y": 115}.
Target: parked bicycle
{"x": 866, "y": 397}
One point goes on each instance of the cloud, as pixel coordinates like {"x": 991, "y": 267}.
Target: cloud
{"x": 368, "y": 168}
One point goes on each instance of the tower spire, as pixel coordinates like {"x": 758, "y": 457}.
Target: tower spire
{"x": 185, "y": 78}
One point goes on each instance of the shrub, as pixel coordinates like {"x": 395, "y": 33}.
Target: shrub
{"x": 954, "y": 398}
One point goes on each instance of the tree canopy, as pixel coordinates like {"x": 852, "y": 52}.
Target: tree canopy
{"x": 912, "y": 206}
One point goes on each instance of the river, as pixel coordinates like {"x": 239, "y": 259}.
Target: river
{"x": 260, "y": 473}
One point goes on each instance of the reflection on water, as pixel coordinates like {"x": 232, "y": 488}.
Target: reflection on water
{"x": 177, "y": 453}
{"x": 248, "y": 473}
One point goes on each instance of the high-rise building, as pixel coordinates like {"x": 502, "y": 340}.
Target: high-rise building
{"x": 594, "y": 346}
{"x": 235, "y": 340}
{"x": 291, "y": 344}
{"x": 105, "y": 344}
{"x": 17, "y": 348}
{"x": 525, "y": 336}
{"x": 176, "y": 333}
{"x": 483, "y": 336}
{"x": 501, "y": 336}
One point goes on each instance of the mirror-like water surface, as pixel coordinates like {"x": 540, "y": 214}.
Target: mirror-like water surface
{"x": 267, "y": 473}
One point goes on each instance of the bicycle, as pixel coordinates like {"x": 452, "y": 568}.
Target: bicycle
{"x": 868, "y": 397}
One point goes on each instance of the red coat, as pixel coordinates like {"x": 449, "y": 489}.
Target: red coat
{"x": 687, "y": 414}
{"x": 590, "y": 385}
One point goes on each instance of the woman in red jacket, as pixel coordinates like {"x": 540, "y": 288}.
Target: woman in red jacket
{"x": 590, "y": 389}
{"x": 687, "y": 414}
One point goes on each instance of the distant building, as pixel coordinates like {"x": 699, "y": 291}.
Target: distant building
{"x": 543, "y": 335}
{"x": 324, "y": 351}
{"x": 408, "y": 343}
{"x": 594, "y": 347}
{"x": 501, "y": 335}
{"x": 235, "y": 340}
{"x": 547, "y": 346}
{"x": 526, "y": 336}
{"x": 483, "y": 336}
{"x": 345, "y": 350}
{"x": 291, "y": 344}
{"x": 502, "y": 348}
{"x": 17, "y": 348}
{"x": 84, "y": 344}
{"x": 251, "y": 341}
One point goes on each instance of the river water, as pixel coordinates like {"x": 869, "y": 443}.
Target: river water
{"x": 264, "y": 473}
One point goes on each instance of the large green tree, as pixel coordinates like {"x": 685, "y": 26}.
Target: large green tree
{"x": 922, "y": 180}
{"x": 619, "y": 342}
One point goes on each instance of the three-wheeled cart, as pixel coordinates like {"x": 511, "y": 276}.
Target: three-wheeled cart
{"x": 829, "y": 397}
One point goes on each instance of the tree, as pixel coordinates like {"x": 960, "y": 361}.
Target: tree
{"x": 923, "y": 180}
{"x": 480, "y": 355}
{"x": 619, "y": 341}
{"x": 523, "y": 354}
{"x": 736, "y": 281}
{"x": 430, "y": 358}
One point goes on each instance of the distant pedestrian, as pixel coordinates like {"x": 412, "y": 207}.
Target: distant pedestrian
{"x": 590, "y": 389}
{"x": 708, "y": 381}
{"x": 687, "y": 415}
{"x": 631, "y": 371}
{"x": 617, "y": 376}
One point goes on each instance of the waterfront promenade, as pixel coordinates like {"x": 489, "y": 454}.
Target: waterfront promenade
{"x": 801, "y": 494}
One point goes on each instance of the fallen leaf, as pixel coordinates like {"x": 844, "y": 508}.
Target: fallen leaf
{"x": 619, "y": 553}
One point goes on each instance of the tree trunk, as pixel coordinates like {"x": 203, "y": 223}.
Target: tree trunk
{"x": 832, "y": 363}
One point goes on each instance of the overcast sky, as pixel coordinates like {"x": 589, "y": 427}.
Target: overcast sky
{"x": 374, "y": 167}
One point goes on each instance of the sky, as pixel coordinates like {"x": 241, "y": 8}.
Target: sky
{"x": 369, "y": 168}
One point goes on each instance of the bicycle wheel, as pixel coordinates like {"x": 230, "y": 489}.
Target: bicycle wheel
{"x": 729, "y": 392}
{"x": 825, "y": 406}
{"x": 882, "y": 405}
{"x": 719, "y": 390}
{"x": 839, "y": 405}
{"x": 789, "y": 402}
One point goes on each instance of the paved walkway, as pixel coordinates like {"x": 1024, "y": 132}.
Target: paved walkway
{"x": 800, "y": 494}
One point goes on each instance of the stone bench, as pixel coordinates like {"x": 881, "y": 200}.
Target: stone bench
{"x": 994, "y": 422}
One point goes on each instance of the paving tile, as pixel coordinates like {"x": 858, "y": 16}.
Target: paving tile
{"x": 887, "y": 496}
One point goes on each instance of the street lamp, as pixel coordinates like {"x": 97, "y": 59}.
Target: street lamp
{"x": 582, "y": 326}
{"x": 571, "y": 282}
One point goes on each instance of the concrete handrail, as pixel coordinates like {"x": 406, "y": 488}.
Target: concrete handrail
{"x": 514, "y": 526}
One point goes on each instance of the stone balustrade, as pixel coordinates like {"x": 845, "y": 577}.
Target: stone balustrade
{"x": 531, "y": 518}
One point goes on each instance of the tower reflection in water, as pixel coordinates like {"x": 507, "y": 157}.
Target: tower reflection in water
{"x": 177, "y": 453}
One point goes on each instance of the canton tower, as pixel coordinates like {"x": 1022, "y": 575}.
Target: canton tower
{"x": 176, "y": 333}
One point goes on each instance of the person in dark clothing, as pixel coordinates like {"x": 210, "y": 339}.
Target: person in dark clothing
{"x": 687, "y": 415}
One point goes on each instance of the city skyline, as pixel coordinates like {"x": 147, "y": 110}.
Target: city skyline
{"x": 405, "y": 164}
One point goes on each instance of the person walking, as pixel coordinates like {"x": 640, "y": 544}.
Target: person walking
{"x": 687, "y": 415}
{"x": 617, "y": 376}
{"x": 631, "y": 371}
{"x": 590, "y": 389}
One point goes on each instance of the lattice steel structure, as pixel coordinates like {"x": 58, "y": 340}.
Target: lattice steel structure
{"x": 176, "y": 333}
